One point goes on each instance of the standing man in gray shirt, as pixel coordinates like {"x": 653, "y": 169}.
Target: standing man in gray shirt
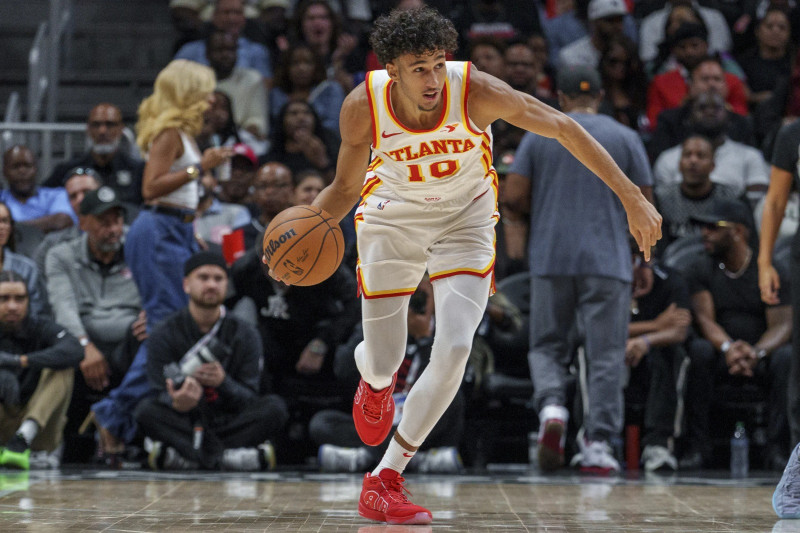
{"x": 580, "y": 270}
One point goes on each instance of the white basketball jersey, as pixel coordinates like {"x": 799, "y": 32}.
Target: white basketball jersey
{"x": 450, "y": 162}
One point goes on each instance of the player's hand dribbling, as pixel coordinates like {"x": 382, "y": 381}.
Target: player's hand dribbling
{"x": 645, "y": 224}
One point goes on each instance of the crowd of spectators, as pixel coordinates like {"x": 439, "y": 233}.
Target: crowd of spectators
{"x": 690, "y": 100}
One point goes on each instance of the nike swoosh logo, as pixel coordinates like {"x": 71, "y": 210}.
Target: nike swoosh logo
{"x": 387, "y": 135}
{"x": 408, "y": 454}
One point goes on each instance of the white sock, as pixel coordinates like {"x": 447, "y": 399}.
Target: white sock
{"x": 28, "y": 430}
{"x": 396, "y": 458}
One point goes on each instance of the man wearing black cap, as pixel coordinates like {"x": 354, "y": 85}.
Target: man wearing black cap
{"x": 742, "y": 338}
{"x": 580, "y": 263}
{"x": 96, "y": 299}
{"x": 203, "y": 365}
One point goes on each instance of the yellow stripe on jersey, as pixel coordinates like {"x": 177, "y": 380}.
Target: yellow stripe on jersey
{"x": 376, "y": 162}
{"x": 373, "y": 111}
{"x": 369, "y": 186}
{"x": 465, "y": 99}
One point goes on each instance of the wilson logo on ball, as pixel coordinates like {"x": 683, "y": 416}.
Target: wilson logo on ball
{"x": 273, "y": 244}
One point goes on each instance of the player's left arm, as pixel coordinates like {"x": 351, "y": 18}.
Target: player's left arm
{"x": 491, "y": 99}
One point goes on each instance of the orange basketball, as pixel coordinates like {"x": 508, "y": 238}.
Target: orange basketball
{"x": 303, "y": 245}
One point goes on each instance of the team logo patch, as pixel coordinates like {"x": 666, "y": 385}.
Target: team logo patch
{"x": 450, "y": 128}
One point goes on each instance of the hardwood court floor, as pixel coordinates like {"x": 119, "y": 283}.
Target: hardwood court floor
{"x": 307, "y": 502}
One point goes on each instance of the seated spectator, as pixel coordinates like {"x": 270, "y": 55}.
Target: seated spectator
{"x": 507, "y": 21}
{"x": 341, "y": 449}
{"x": 694, "y": 195}
{"x": 37, "y": 358}
{"x": 316, "y": 23}
{"x": 219, "y": 129}
{"x": 741, "y": 339}
{"x": 191, "y": 19}
{"x": 95, "y": 298}
{"x": 46, "y": 208}
{"x": 606, "y": 20}
{"x": 273, "y": 192}
{"x": 565, "y": 23}
{"x": 273, "y": 21}
{"x": 668, "y": 90}
{"x": 680, "y": 14}
{"x": 300, "y": 75}
{"x": 21, "y": 265}
{"x": 652, "y": 30}
{"x": 735, "y": 164}
{"x": 79, "y": 181}
{"x": 106, "y": 156}
{"x": 307, "y": 185}
{"x": 300, "y": 327}
{"x": 525, "y": 72}
{"x": 770, "y": 60}
{"x": 216, "y": 218}
{"x": 229, "y": 17}
{"x": 245, "y": 87}
{"x": 674, "y": 124}
{"x": 237, "y": 188}
{"x": 203, "y": 364}
{"x": 658, "y": 327}
{"x": 488, "y": 55}
{"x": 624, "y": 83}
{"x": 300, "y": 141}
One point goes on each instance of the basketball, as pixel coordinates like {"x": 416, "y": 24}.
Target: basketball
{"x": 303, "y": 245}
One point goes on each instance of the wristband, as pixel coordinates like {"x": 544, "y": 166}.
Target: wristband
{"x": 725, "y": 346}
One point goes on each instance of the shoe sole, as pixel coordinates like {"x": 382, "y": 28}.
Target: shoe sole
{"x": 598, "y": 470}
{"x": 419, "y": 518}
{"x": 550, "y": 452}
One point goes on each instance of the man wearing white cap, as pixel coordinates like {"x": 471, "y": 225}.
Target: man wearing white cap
{"x": 605, "y": 21}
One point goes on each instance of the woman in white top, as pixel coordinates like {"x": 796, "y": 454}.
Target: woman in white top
{"x": 161, "y": 238}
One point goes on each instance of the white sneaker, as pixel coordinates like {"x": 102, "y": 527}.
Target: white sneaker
{"x": 786, "y": 498}
{"x": 552, "y": 437}
{"x": 341, "y": 459}
{"x": 443, "y": 460}
{"x": 595, "y": 457}
{"x": 658, "y": 458}
{"x": 42, "y": 460}
{"x": 162, "y": 457}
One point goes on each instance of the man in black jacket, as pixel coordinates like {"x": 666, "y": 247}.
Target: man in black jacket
{"x": 203, "y": 365}
{"x": 37, "y": 361}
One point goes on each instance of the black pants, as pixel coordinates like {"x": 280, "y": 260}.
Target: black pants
{"x": 336, "y": 427}
{"x": 709, "y": 370}
{"x": 262, "y": 419}
{"x": 655, "y": 382}
{"x": 793, "y": 394}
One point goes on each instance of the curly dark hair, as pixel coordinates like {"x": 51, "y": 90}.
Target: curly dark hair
{"x": 412, "y": 31}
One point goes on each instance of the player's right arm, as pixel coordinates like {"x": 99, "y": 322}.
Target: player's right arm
{"x": 355, "y": 124}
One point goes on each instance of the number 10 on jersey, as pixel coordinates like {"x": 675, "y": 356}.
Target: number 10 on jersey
{"x": 439, "y": 169}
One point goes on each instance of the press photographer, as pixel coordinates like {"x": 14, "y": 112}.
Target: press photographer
{"x": 203, "y": 364}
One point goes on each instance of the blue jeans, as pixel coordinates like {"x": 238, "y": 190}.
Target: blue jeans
{"x": 156, "y": 247}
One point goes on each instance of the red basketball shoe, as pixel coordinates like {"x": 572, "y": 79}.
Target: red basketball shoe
{"x": 383, "y": 499}
{"x": 373, "y": 412}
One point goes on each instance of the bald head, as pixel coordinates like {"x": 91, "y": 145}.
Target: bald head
{"x": 19, "y": 169}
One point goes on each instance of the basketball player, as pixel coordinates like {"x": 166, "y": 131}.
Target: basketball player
{"x": 429, "y": 200}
